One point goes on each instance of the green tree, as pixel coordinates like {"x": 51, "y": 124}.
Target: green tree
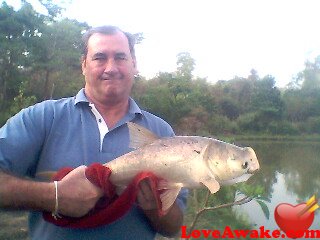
{"x": 39, "y": 56}
{"x": 235, "y": 96}
{"x": 178, "y": 97}
{"x": 311, "y": 75}
{"x": 56, "y": 59}
{"x": 267, "y": 102}
{"x": 229, "y": 108}
{"x": 296, "y": 105}
{"x": 54, "y": 8}
{"x": 17, "y": 31}
{"x": 185, "y": 65}
{"x": 302, "y": 96}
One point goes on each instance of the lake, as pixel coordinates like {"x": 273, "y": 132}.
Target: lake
{"x": 290, "y": 173}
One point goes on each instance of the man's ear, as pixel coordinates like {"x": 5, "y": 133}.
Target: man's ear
{"x": 83, "y": 65}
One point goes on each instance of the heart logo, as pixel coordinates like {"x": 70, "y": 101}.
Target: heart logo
{"x": 293, "y": 220}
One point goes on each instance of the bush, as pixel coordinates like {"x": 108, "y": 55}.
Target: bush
{"x": 4, "y": 116}
{"x": 248, "y": 122}
{"x": 312, "y": 125}
{"x": 282, "y": 128}
{"x": 218, "y": 124}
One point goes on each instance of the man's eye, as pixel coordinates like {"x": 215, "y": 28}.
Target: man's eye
{"x": 120, "y": 57}
{"x": 99, "y": 58}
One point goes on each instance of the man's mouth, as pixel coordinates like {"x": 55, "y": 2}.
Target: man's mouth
{"x": 109, "y": 79}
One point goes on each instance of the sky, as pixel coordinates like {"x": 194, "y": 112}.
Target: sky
{"x": 226, "y": 38}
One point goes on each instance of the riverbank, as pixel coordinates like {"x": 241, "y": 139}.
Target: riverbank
{"x": 13, "y": 225}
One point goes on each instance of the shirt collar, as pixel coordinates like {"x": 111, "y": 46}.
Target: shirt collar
{"x": 133, "y": 106}
{"x": 80, "y": 97}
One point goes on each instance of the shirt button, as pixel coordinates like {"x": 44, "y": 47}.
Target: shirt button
{"x": 100, "y": 120}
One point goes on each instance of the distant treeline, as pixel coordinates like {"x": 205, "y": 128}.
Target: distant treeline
{"x": 40, "y": 59}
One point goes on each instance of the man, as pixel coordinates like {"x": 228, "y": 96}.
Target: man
{"x": 90, "y": 127}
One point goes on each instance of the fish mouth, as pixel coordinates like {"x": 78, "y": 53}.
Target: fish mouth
{"x": 253, "y": 168}
{"x": 253, "y": 171}
{"x": 239, "y": 179}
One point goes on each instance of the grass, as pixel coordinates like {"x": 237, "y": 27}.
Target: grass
{"x": 311, "y": 138}
{"x": 289, "y": 138}
{"x": 13, "y": 225}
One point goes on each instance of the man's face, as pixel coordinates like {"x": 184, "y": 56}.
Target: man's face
{"x": 108, "y": 68}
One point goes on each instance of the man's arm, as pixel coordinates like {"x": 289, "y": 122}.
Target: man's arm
{"x": 76, "y": 194}
{"x": 18, "y": 193}
{"x": 167, "y": 225}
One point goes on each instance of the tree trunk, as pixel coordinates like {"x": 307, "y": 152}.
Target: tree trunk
{"x": 47, "y": 91}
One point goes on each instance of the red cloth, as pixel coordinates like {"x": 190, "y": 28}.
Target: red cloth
{"x": 111, "y": 207}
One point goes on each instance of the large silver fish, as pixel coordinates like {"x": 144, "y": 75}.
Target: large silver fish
{"x": 183, "y": 161}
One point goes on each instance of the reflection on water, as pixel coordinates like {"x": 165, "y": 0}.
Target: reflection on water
{"x": 290, "y": 172}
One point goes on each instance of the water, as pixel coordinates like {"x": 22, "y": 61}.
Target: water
{"x": 290, "y": 173}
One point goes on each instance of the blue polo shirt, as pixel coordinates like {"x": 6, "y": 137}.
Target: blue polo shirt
{"x": 59, "y": 133}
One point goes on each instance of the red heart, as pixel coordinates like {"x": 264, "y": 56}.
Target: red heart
{"x": 290, "y": 220}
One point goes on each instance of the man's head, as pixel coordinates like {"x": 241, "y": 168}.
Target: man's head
{"x": 107, "y": 30}
{"x": 108, "y": 64}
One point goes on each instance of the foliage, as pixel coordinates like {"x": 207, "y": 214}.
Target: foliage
{"x": 256, "y": 192}
{"x": 39, "y": 56}
{"x": 221, "y": 124}
{"x": 17, "y": 31}
{"x": 21, "y": 101}
{"x": 56, "y": 59}
{"x": 216, "y": 219}
{"x": 312, "y": 125}
{"x": 185, "y": 65}
{"x": 216, "y": 210}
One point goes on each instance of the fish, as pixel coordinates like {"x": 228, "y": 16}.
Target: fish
{"x": 182, "y": 162}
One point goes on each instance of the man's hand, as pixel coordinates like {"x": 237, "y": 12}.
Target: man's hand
{"x": 167, "y": 225}
{"x": 145, "y": 197}
{"x": 76, "y": 194}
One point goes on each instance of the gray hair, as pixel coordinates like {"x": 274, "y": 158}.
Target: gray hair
{"x": 107, "y": 30}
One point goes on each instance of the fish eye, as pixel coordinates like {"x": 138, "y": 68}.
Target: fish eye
{"x": 245, "y": 165}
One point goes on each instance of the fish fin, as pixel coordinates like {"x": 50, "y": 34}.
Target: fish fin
{"x": 169, "y": 194}
{"x": 209, "y": 181}
{"x": 205, "y": 154}
{"x": 211, "y": 184}
{"x": 140, "y": 136}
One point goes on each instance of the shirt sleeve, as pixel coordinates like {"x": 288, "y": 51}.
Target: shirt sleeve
{"x": 21, "y": 139}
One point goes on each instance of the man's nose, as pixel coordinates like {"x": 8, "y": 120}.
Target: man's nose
{"x": 110, "y": 66}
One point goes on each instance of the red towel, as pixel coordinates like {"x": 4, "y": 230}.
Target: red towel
{"x": 111, "y": 207}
